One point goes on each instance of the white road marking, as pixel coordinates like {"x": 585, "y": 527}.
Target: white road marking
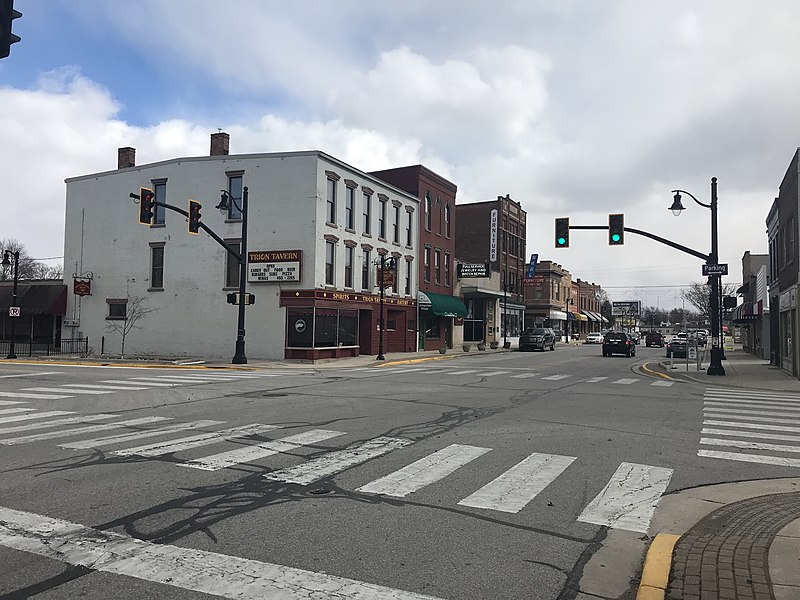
{"x": 625, "y": 381}
{"x": 750, "y": 434}
{"x": 751, "y": 425}
{"x": 748, "y": 413}
{"x": 754, "y": 458}
{"x": 424, "y": 472}
{"x": 748, "y": 398}
{"x": 555, "y": 377}
{"x": 594, "y": 379}
{"x": 36, "y": 437}
{"x": 195, "y": 441}
{"x": 12, "y": 411}
{"x": 32, "y": 374}
{"x": 662, "y": 383}
{"x": 38, "y": 415}
{"x": 10, "y": 402}
{"x": 514, "y": 489}
{"x": 337, "y": 461}
{"x": 33, "y": 396}
{"x": 522, "y": 376}
{"x": 184, "y": 380}
{"x": 761, "y": 393}
{"x": 127, "y": 437}
{"x": 56, "y": 423}
{"x": 144, "y": 381}
{"x": 259, "y": 451}
{"x": 629, "y": 499}
{"x": 749, "y": 445}
{"x": 467, "y": 372}
{"x": 492, "y": 373}
{"x": 70, "y": 390}
{"x": 749, "y": 404}
{"x": 95, "y": 386}
{"x": 184, "y": 568}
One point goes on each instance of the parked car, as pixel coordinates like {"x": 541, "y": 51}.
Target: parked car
{"x": 677, "y": 347}
{"x": 634, "y": 336}
{"x": 618, "y": 342}
{"x": 537, "y": 338}
{"x": 594, "y": 338}
{"x": 653, "y": 338}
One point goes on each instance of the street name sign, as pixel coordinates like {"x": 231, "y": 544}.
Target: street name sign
{"x": 720, "y": 269}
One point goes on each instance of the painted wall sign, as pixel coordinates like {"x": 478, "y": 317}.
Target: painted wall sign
{"x": 493, "y": 235}
{"x": 473, "y": 270}
{"x": 269, "y": 266}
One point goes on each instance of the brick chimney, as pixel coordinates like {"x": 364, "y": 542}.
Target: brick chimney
{"x": 220, "y": 142}
{"x": 126, "y": 157}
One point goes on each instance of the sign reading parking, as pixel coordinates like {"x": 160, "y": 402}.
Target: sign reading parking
{"x": 13, "y": 311}
{"x": 720, "y": 269}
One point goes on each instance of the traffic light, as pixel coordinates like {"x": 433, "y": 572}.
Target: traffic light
{"x": 616, "y": 230}
{"x": 146, "y": 199}
{"x": 562, "y": 232}
{"x": 194, "y": 216}
{"x": 7, "y": 15}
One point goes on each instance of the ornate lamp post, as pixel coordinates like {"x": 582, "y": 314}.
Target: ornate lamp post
{"x": 7, "y": 262}
{"x": 391, "y": 266}
{"x": 225, "y": 203}
{"x": 715, "y": 279}
{"x": 508, "y": 287}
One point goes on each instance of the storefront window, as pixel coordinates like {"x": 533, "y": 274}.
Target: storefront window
{"x": 321, "y": 328}
{"x": 325, "y": 321}
{"x": 300, "y": 327}
{"x": 348, "y": 328}
{"x": 433, "y": 328}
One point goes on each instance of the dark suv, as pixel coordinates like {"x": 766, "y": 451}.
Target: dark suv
{"x": 618, "y": 342}
{"x": 537, "y": 338}
{"x": 654, "y": 338}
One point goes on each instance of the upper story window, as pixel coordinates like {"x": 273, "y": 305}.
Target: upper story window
{"x": 350, "y": 208}
{"x": 447, "y": 221}
{"x": 426, "y": 265}
{"x": 409, "y": 228}
{"x": 330, "y": 215}
{"x": 382, "y": 218}
{"x": 159, "y": 212}
{"x": 365, "y": 269}
{"x": 409, "y": 266}
{"x": 330, "y": 257}
{"x": 235, "y": 190}
{"x": 396, "y": 226}
{"x": 349, "y": 252}
{"x": 447, "y": 269}
{"x": 157, "y": 266}
{"x": 367, "y": 213}
{"x": 437, "y": 265}
{"x": 428, "y": 211}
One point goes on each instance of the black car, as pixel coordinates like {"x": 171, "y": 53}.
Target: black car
{"x": 653, "y": 338}
{"x": 537, "y": 338}
{"x": 678, "y": 346}
{"x": 618, "y": 342}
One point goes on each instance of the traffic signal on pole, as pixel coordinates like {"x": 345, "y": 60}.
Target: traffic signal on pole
{"x": 194, "y": 216}
{"x": 616, "y": 230}
{"x": 7, "y": 15}
{"x": 146, "y": 199}
{"x": 562, "y": 232}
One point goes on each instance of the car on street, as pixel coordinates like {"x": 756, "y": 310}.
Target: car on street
{"x": 537, "y": 338}
{"x": 678, "y": 346}
{"x": 618, "y": 342}
{"x": 653, "y": 338}
{"x": 634, "y": 335}
{"x": 594, "y": 338}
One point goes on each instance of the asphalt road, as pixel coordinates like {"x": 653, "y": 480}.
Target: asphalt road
{"x": 488, "y": 476}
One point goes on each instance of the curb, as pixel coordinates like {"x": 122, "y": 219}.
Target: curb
{"x": 649, "y": 371}
{"x": 657, "y": 563}
{"x": 125, "y": 365}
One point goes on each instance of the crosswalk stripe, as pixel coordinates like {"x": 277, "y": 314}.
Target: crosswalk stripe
{"x": 736, "y": 415}
{"x": 747, "y": 413}
{"x": 629, "y": 499}
{"x": 751, "y": 404}
{"x": 56, "y": 423}
{"x": 38, "y": 415}
{"x": 259, "y": 451}
{"x": 594, "y": 379}
{"x": 212, "y": 377}
{"x": 178, "y": 379}
{"x": 10, "y": 402}
{"x": 522, "y": 376}
{"x": 514, "y": 489}
{"x": 337, "y": 461}
{"x": 145, "y": 381}
{"x": 200, "y": 571}
{"x": 195, "y": 441}
{"x": 34, "y": 396}
{"x": 755, "y": 400}
{"x": 761, "y": 393}
{"x": 36, "y": 437}
{"x": 95, "y": 386}
{"x": 128, "y": 437}
{"x": 492, "y": 373}
{"x": 751, "y": 425}
{"x": 750, "y": 434}
{"x": 466, "y": 372}
{"x": 12, "y": 411}
{"x": 555, "y": 377}
{"x": 70, "y": 390}
{"x": 754, "y": 458}
{"x": 32, "y": 374}
{"x": 771, "y": 396}
{"x": 749, "y": 445}
{"x": 662, "y": 383}
{"x": 424, "y": 471}
{"x": 625, "y": 381}
{"x": 353, "y": 370}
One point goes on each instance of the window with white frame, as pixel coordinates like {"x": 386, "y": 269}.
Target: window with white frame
{"x": 366, "y": 262}
{"x": 235, "y": 191}
{"x": 330, "y": 258}
{"x": 117, "y": 308}
{"x": 396, "y": 229}
{"x": 159, "y": 212}
{"x": 330, "y": 199}
{"x": 367, "y": 200}
{"x": 349, "y": 252}
{"x": 350, "y": 208}
{"x": 409, "y": 267}
{"x": 382, "y": 219}
{"x": 409, "y": 228}
{"x": 157, "y": 266}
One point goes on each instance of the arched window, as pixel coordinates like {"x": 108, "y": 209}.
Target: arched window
{"x": 428, "y": 211}
{"x": 447, "y": 221}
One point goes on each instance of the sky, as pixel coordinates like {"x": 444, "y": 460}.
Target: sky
{"x": 574, "y": 108}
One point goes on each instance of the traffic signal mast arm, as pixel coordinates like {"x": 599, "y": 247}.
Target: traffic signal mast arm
{"x": 652, "y": 236}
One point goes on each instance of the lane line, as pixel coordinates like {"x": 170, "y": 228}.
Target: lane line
{"x": 127, "y": 437}
{"x": 332, "y": 463}
{"x": 259, "y": 451}
{"x": 745, "y": 445}
{"x": 751, "y": 425}
{"x": 10, "y": 402}
{"x": 514, "y": 489}
{"x": 424, "y": 471}
{"x": 57, "y": 423}
{"x": 754, "y": 458}
{"x": 32, "y": 374}
{"x": 34, "y": 396}
{"x": 36, "y": 437}
{"x": 185, "y": 568}
{"x": 70, "y": 390}
{"x": 39, "y": 415}
{"x": 629, "y": 499}
{"x": 750, "y": 434}
{"x": 195, "y": 441}
{"x": 95, "y": 386}
{"x": 11, "y": 411}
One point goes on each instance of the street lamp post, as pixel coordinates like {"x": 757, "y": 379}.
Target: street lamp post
{"x": 239, "y": 357}
{"x": 508, "y": 287}
{"x": 715, "y": 279}
{"x": 6, "y": 263}
{"x": 382, "y": 282}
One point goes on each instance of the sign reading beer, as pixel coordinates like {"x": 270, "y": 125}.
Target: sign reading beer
{"x": 268, "y": 266}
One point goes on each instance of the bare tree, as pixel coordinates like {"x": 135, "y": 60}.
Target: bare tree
{"x": 699, "y": 296}
{"x": 29, "y": 268}
{"x": 135, "y": 309}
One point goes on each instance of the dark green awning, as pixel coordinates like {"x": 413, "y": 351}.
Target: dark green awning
{"x": 442, "y": 305}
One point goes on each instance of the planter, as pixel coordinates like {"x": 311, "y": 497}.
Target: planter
{"x": 466, "y": 347}
{"x": 494, "y": 345}
{"x": 506, "y": 345}
{"x": 481, "y": 347}
{"x": 442, "y": 349}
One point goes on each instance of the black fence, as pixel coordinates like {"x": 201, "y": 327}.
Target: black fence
{"x": 74, "y": 347}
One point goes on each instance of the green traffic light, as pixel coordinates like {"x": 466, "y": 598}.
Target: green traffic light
{"x": 561, "y": 241}
{"x": 615, "y": 237}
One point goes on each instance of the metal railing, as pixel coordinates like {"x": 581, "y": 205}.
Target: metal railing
{"x": 64, "y": 347}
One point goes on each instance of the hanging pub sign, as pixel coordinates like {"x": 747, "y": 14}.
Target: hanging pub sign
{"x": 388, "y": 277}
{"x": 473, "y": 270}
{"x": 269, "y": 266}
{"x": 82, "y": 287}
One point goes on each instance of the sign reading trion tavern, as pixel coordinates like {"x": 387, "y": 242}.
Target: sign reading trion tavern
{"x": 267, "y": 266}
